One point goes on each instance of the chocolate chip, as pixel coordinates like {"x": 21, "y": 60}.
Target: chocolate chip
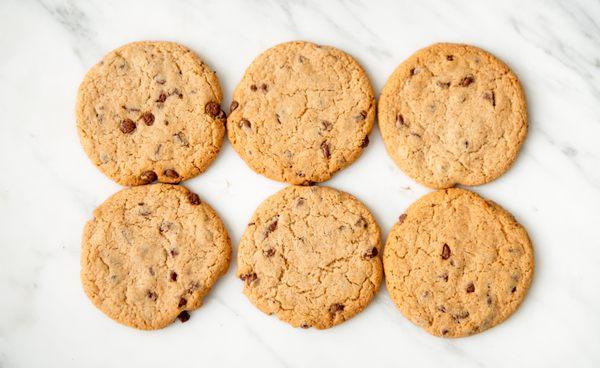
{"x": 444, "y": 276}
{"x": 177, "y": 93}
{"x": 212, "y": 108}
{"x": 162, "y": 97}
{"x": 193, "y": 198}
{"x": 325, "y": 150}
{"x": 174, "y": 252}
{"x": 489, "y": 300}
{"x": 151, "y": 295}
{"x": 304, "y": 326}
{"x": 184, "y": 316}
{"x": 326, "y": 125}
{"x": 264, "y": 87}
{"x": 182, "y": 302}
{"x": 449, "y": 57}
{"x": 445, "y": 332}
{"x": 244, "y": 123}
{"x": 400, "y": 121}
{"x": 362, "y": 223}
{"x": 412, "y": 71}
{"x": 151, "y": 271}
{"x": 148, "y": 177}
{"x": 470, "y": 288}
{"x": 180, "y": 139}
{"x": 336, "y": 308}
{"x": 513, "y": 289}
{"x": 490, "y": 96}
{"x": 269, "y": 252}
{"x": 148, "y": 118}
{"x": 401, "y": 218}
{"x": 371, "y": 253}
{"x": 444, "y": 85}
{"x": 127, "y": 126}
{"x": 442, "y": 309}
{"x": 130, "y": 109}
{"x": 361, "y": 116}
{"x": 466, "y": 81}
{"x": 466, "y": 143}
{"x": 365, "y": 142}
{"x": 249, "y": 278}
{"x": 253, "y": 87}
{"x": 463, "y": 315}
{"x": 173, "y": 276}
{"x": 446, "y": 253}
{"x": 272, "y": 227}
{"x": 170, "y": 173}
{"x": 234, "y": 105}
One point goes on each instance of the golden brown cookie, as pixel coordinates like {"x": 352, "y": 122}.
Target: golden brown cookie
{"x": 456, "y": 264}
{"x": 301, "y": 113}
{"x": 311, "y": 255}
{"x": 150, "y": 111}
{"x": 453, "y": 114}
{"x": 151, "y": 253}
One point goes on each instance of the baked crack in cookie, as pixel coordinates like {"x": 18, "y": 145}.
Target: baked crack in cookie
{"x": 150, "y": 111}
{"x": 311, "y": 255}
{"x": 301, "y": 113}
{"x": 151, "y": 253}
{"x": 456, "y": 264}
{"x": 453, "y": 114}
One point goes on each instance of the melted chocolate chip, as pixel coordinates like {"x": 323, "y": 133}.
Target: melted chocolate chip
{"x": 127, "y": 126}
{"x": 212, "y": 108}
{"x": 148, "y": 177}
{"x": 371, "y": 253}
{"x": 249, "y": 278}
{"x": 336, "y": 308}
{"x": 182, "y": 302}
{"x": 184, "y": 316}
{"x": 272, "y": 227}
{"x": 234, "y": 105}
{"x": 162, "y": 97}
{"x": 365, "y": 142}
{"x": 449, "y": 57}
{"x": 173, "y": 276}
{"x": 193, "y": 198}
{"x": 470, "y": 288}
{"x": 361, "y": 116}
{"x": 401, "y": 218}
{"x": 170, "y": 173}
{"x": 148, "y": 118}
{"x": 325, "y": 150}
{"x": 466, "y": 81}
{"x": 490, "y": 96}
{"x": 244, "y": 123}
{"x": 446, "y": 253}
{"x": 269, "y": 252}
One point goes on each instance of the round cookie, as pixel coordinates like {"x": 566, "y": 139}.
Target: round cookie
{"x": 151, "y": 253}
{"x": 150, "y": 111}
{"x": 311, "y": 255}
{"x": 456, "y": 264}
{"x": 453, "y": 114}
{"x": 301, "y": 113}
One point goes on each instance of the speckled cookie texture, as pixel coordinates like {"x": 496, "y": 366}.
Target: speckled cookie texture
{"x": 453, "y": 114}
{"x": 150, "y": 111}
{"x": 456, "y": 264}
{"x": 311, "y": 255}
{"x": 151, "y": 253}
{"x": 301, "y": 113}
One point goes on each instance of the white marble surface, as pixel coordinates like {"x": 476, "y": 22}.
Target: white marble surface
{"x": 49, "y": 188}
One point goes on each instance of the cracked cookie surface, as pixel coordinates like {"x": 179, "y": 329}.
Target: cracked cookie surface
{"x": 453, "y": 114}
{"x": 456, "y": 264}
{"x": 301, "y": 113}
{"x": 311, "y": 255}
{"x": 150, "y": 111}
{"x": 151, "y": 253}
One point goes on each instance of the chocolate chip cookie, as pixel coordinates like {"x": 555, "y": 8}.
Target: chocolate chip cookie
{"x": 150, "y": 111}
{"x": 151, "y": 253}
{"x": 301, "y": 113}
{"x": 456, "y": 264}
{"x": 311, "y": 255}
{"x": 453, "y": 114}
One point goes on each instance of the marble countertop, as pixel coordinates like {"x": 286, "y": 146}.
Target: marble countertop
{"x": 49, "y": 187}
